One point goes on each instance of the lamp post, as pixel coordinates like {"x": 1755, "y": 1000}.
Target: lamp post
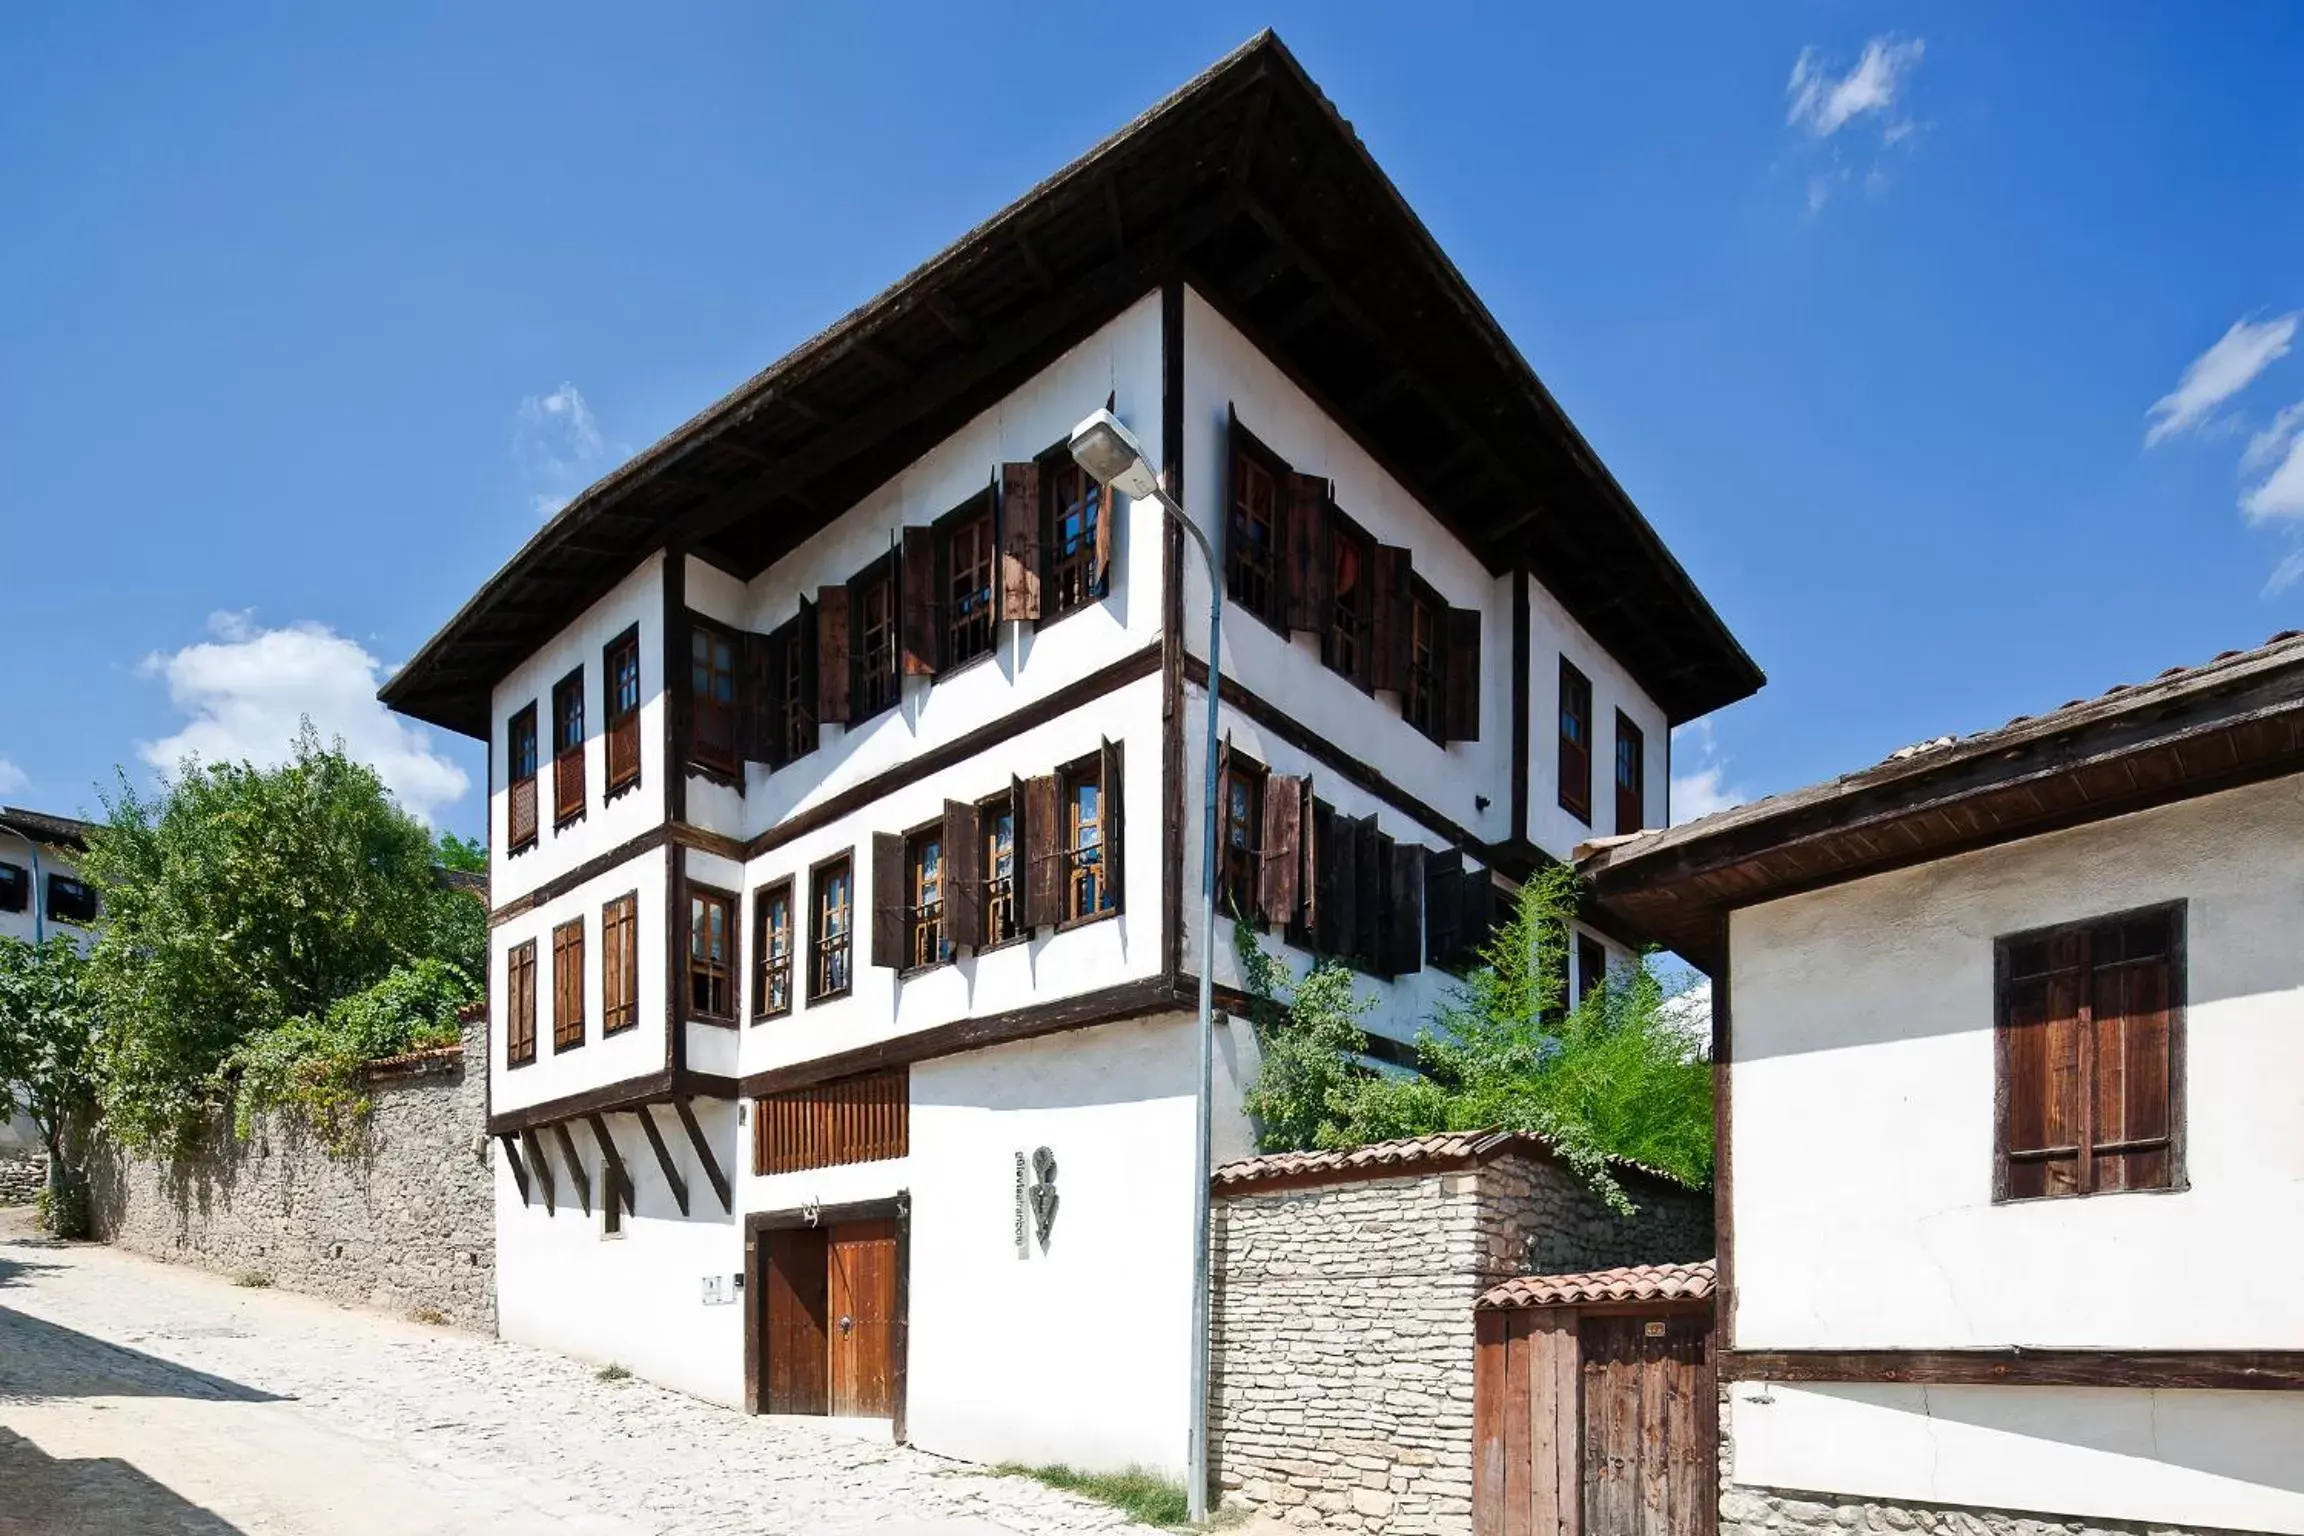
{"x": 1111, "y": 456}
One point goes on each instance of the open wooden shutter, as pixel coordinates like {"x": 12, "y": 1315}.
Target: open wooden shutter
{"x": 888, "y": 900}
{"x": 1280, "y": 871}
{"x": 963, "y": 875}
{"x": 1107, "y": 530}
{"x": 1042, "y": 867}
{"x": 1463, "y": 665}
{"x": 756, "y": 691}
{"x": 1443, "y": 900}
{"x": 1374, "y": 863}
{"x": 1110, "y": 803}
{"x": 1305, "y": 564}
{"x": 1020, "y": 540}
{"x": 1340, "y": 893}
{"x": 832, "y": 671}
{"x": 1403, "y": 937}
{"x": 1476, "y": 909}
{"x": 1389, "y": 626}
{"x": 1314, "y": 928}
{"x": 921, "y": 628}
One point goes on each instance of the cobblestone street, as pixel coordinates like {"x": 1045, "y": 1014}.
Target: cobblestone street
{"x": 142, "y": 1397}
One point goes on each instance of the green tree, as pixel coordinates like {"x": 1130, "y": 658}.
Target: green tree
{"x": 465, "y": 855}
{"x": 47, "y": 1060}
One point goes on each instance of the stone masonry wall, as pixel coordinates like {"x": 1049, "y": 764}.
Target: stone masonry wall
{"x": 22, "y": 1176}
{"x": 1773, "y": 1512}
{"x": 1341, "y": 1376}
{"x": 407, "y": 1222}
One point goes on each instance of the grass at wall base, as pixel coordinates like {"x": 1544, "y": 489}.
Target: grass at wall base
{"x": 1614, "y": 1077}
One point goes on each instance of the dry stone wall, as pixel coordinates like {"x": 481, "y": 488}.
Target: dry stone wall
{"x": 406, "y": 1222}
{"x": 22, "y": 1176}
{"x": 1341, "y": 1379}
{"x": 1773, "y": 1512}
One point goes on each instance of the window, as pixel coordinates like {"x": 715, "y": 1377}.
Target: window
{"x": 1251, "y": 537}
{"x": 1346, "y": 643}
{"x": 878, "y": 683}
{"x": 15, "y": 887}
{"x": 1591, "y": 966}
{"x": 849, "y": 1120}
{"x": 969, "y": 562}
{"x": 792, "y": 688}
{"x": 711, "y": 698}
{"x": 1423, "y": 703}
{"x": 997, "y": 819}
{"x": 1240, "y": 838}
{"x": 1087, "y": 879}
{"x": 772, "y": 951}
{"x": 568, "y": 748}
{"x": 620, "y": 964}
{"x": 711, "y": 980}
{"x": 520, "y": 1004}
{"x": 568, "y": 986}
{"x": 924, "y": 899}
{"x": 70, "y": 900}
{"x": 831, "y": 928}
{"x": 520, "y": 774}
{"x": 1631, "y": 774}
{"x": 1575, "y": 742}
{"x": 621, "y": 666}
{"x": 2090, "y": 1056}
{"x": 1075, "y": 512}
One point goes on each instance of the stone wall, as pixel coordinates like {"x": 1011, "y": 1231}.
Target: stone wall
{"x": 1774, "y": 1512}
{"x": 22, "y": 1176}
{"x": 407, "y": 1222}
{"x": 1341, "y": 1378}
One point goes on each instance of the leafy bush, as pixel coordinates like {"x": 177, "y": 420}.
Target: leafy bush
{"x": 47, "y": 1064}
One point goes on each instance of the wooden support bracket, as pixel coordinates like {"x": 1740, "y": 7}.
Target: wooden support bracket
{"x": 576, "y": 1174}
{"x": 664, "y": 1158}
{"x": 619, "y": 1181}
{"x": 542, "y": 1167}
{"x": 704, "y": 1155}
{"x": 519, "y": 1169}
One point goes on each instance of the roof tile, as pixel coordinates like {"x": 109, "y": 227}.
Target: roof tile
{"x": 1635, "y": 1282}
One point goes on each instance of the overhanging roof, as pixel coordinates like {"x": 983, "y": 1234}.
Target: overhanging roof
{"x": 1249, "y": 185}
{"x": 40, "y": 827}
{"x": 2190, "y": 731}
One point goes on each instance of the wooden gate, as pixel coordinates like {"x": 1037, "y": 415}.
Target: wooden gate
{"x": 1595, "y": 1410}
{"x": 825, "y": 1323}
{"x": 862, "y": 1311}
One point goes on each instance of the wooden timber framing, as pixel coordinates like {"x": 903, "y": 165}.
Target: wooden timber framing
{"x": 512, "y": 1157}
{"x": 542, "y": 1168}
{"x": 671, "y": 1170}
{"x": 577, "y": 1177}
{"x": 619, "y": 1180}
{"x": 1724, "y": 1144}
{"x": 757, "y": 1224}
{"x": 1522, "y": 680}
{"x": 2218, "y": 1370}
{"x": 697, "y": 1139}
{"x": 648, "y": 1088}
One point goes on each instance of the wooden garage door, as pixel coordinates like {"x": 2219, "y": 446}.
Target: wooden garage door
{"x": 862, "y": 1313}
{"x": 793, "y": 1335}
{"x": 1650, "y": 1462}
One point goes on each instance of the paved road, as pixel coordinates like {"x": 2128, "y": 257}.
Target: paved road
{"x": 144, "y": 1398}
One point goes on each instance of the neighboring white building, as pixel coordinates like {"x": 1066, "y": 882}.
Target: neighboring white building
{"x": 845, "y": 776}
{"x": 41, "y": 896}
{"x": 2010, "y": 1033}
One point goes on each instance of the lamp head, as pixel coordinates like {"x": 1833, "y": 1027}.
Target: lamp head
{"x": 1111, "y": 456}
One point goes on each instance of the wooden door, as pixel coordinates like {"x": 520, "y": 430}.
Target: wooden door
{"x": 861, "y": 1310}
{"x": 1650, "y": 1461}
{"x": 793, "y": 1321}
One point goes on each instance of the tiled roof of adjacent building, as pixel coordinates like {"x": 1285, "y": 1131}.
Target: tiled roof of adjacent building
{"x": 1385, "y": 1159}
{"x": 1636, "y": 1282}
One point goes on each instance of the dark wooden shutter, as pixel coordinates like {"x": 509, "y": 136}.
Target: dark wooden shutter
{"x": 1632, "y": 765}
{"x": 1463, "y": 701}
{"x": 963, "y": 875}
{"x": 1443, "y": 901}
{"x": 1306, "y": 570}
{"x": 1340, "y": 906}
{"x": 1389, "y": 626}
{"x": 1315, "y": 930}
{"x": 832, "y": 671}
{"x": 756, "y": 699}
{"x": 1373, "y": 863}
{"x": 1279, "y": 875}
{"x": 921, "y": 627}
{"x": 888, "y": 895}
{"x": 1042, "y": 866}
{"x": 1020, "y": 540}
{"x": 1106, "y": 532}
{"x": 1110, "y": 802}
{"x": 1403, "y": 937}
{"x": 1476, "y": 911}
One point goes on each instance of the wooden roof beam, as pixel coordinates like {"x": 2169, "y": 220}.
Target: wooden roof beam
{"x": 1032, "y": 262}
{"x": 1117, "y": 225}
{"x": 952, "y": 318}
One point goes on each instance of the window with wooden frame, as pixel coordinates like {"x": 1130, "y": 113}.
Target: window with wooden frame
{"x": 620, "y": 964}
{"x": 997, "y": 820}
{"x": 924, "y": 943}
{"x": 1077, "y": 538}
{"x": 970, "y": 560}
{"x": 520, "y": 1004}
{"x": 831, "y": 928}
{"x": 568, "y": 748}
{"x": 1423, "y": 702}
{"x": 1591, "y": 966}
{"x": 568, "y": 986}
{"x": 71, "y": 901}
{"x": 772, "y": 951}
{"x": 790, "y": 683}
{"x": 620, "y": 668}
{"x": 2089, "y": 1030}
{"x": 15, "y": 888}
{"x": 1091, "y": 795}
{"x": 861, "y": 1119}
{"x": 1575, "y": 742}
{"x": 520, "y": 776}
{"x": 1252, "y": 530}
{"x": 1240, "y": 838}
{"x": 1631, "y": 775}
{"x": 711, "y": 954}
{"x": 712, "y": 744}
{"x": 1347, "y": 641}
{"x": 873, "y": 619}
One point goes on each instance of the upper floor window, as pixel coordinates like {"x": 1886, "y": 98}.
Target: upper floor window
{"x": 1240, "y": 837}
{"x": 924, "y": 899}
{"x": 520, "y": 774}
{"x": 831, "y": 924}
{"x": 621, "y": 666}
{"x": 2089, "y": 1027}
{"x": 568, "y": 748}
{"x": 1631, "y": 774}
{"x": 1591, "y": 966}
{"x": 620, "y": 964}
{"x": 872, "y": 598}
{"x": 711, "y": 698}
{"x": 970, "y": 560}
{"x": 15, "y": 887}
{"x": 790, "y": 658}
{"x": 1575, "y": 742}
{"x": 1252, "y": 533}
{"x": 520, "y": 1004}
{"x": 711, "y": 972}
{"x": 1346, "y": 644}
{"x": 1091, "y": 794}
{"x": 70, "y": 900}
{"x": 1423, "y": 702}
{"x": 772, "y": 951}
{"x": 1078, "y": 539}
{"x": 997, "y": 820}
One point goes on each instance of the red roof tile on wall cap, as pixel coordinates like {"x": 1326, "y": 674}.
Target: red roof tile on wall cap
{"x": 1386, "y": 1159}
{"x": 1636, "y": 1282}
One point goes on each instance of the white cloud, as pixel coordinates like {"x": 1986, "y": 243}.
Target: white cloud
{"x": 2281, "y": 493}
{"x": 556, "y": 441}
{"x": 12, "y": 778}
{"x": 1824, "y": 105}
{"x": 1704, "y": 786}
{"x": 2219, "y": 373}
{"x": 2272, "y": 443}
{"x": 2287, "y": 572}
{"x": 247, "y": 691}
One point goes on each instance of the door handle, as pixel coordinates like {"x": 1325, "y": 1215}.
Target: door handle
{"x": 847, "y": 1324}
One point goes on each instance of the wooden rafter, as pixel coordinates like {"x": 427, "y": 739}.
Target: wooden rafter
{"x": 704, "y": 1154}
{"x": 664, "y": 1158}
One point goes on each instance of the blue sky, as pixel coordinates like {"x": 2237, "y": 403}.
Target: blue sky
{"x": 1948, "y": 346}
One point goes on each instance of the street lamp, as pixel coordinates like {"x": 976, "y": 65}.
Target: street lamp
{"x": 1111, "y": 456}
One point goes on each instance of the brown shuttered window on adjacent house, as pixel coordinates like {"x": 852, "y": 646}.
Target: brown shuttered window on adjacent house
{"x": 831, "y": 927}
{"x": 1631, "y": 775}
{"x": 888, "y": 901}
{"x": 1373, "y": 851}
{"x": 785, "y": 725}
{"x": 568, "y": 748}
{"x": 1391, "y": 621}
{"x": 1281, "y": 883}
{"x": 2090, "y": 1047}
{"x": 712, "y": 698}
{"x": 925, "y": 882}
{"x": 1459, "y": 911}
{"x": 520, "y": 1004}
{"x": 620, "y": 964}
{"x": 1020, "y": 540}
{"x": 1347, "y": 639}
{"x": 849, "y": 1120}
{"x": 1000, "y": 822}
{"x": 772, "y": 934}
{"x": 1402, "y": 941}
{"x": 1424, "y": 698}
{"x": 1461, "y": 707}
{"x": 1575, "y": 742}
{"x": 1240, "y": 839}
{"x": 620, "y": 669}
{"x": 568, "y": 985}
{"x": 520, "y": 777}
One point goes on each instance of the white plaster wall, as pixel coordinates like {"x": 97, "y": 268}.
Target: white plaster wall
{"x": 1552, "y": 635}
{"x": 1863, "y": 1086}
{"x": 33, "y": 920}
{"x": 637, "y": 599}
{"x": 600, "y": 1060}
{"x": 2228, "y": 1460}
